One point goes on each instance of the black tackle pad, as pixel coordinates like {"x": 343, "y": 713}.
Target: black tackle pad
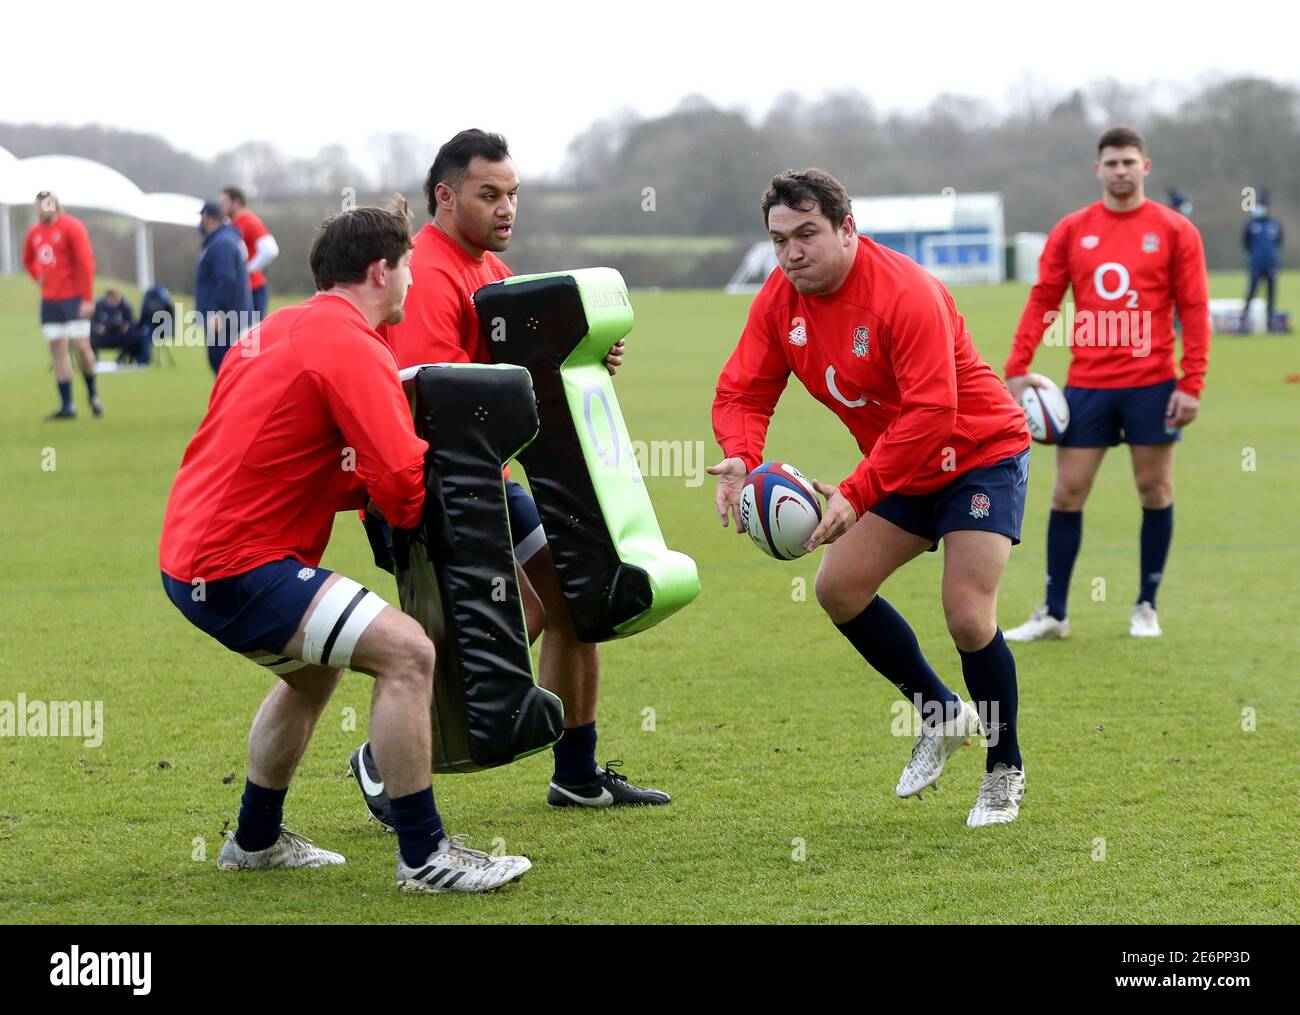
{"x": 456, "y": 572}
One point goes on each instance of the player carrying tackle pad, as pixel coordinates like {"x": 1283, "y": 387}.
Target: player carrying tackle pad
{"x": 472, "y": 190}
{"x": 877, "y": 340}
{"x": 316, "y": 423}
{"x": 1129, "y": 263}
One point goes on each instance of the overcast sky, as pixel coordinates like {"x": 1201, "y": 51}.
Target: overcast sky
{"x": 210, "y": 76}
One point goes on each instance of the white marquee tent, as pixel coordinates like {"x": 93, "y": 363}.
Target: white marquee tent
{"x": 84, "y": 183}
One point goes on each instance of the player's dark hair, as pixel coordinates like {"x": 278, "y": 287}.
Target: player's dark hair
{"x": 235, "y": 194}
{"x": 809, "y": 190}
{"x": 1122, "y": 137}
{"x": 454, "y": 158}
{"x": 347, "y": 244}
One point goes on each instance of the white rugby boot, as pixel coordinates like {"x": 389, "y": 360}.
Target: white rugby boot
{"x": 289, "y": 850}
{"x": 454, "y": 867}
{"x": 998, "y": 800}
{"x": 933, "y": 746}
{"x": 1144, "y": 623}
{"x": 1041, "y": 626}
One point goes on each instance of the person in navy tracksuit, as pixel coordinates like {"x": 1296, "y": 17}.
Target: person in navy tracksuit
{"x": 221, "y": 292}
{"x": 1262, "y": 239}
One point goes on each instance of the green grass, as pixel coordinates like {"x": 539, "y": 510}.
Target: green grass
{"x": 768, "y": 727}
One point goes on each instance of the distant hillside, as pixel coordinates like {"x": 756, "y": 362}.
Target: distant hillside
{"x": 146, "y": 159}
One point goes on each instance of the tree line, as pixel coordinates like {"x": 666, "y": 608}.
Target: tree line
{"x": 700, "y": 171}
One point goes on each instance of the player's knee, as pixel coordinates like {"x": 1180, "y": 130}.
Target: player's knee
{"x": 314, "y": 683}
{"x": 413, "y": 656}
{"x": 1155, "y": 493}
{"x": 535, "y": 618}
{"x": 1069, "y": 495}
{"x": 971, "y": 625}
{"x": 842, "y": 600}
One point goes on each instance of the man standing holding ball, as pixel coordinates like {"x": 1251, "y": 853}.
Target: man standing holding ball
{"x": 1129, "y": 263}
{"x": 877, "y": 339}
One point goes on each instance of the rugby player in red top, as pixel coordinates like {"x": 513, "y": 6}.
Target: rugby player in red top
{"x": 472, "y": 189}
{"x": 57, "y": 254}
{"x": 877, "y": 340}
{"x": 259, "y": 244}
{"x": 1130, "y": 264}
{"x": 313, "y": 424}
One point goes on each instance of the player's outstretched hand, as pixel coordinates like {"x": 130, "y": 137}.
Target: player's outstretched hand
{"x": 614, "y": 358}
{"x": 731, "y": 473}
{"x": 1181, "y": 410}
{"x": 837, "y": 517}
{"x": 1017, "y": 385}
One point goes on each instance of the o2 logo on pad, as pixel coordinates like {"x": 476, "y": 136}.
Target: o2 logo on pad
{"x": 614, "y": 455}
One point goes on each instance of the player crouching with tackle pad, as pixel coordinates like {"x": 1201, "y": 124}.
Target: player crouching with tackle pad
{"x": 308, "y": 421}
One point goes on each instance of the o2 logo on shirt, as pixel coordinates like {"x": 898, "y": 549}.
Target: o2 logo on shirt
{"x": 1120, "y": 289}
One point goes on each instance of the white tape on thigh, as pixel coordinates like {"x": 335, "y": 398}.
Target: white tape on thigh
{"x": 79, "y": 328}
{"x": 337, "y": 623}
{"x": 54, "y": 332}
{"x": 530, "y": 544}
{"x": 279, "y": 664}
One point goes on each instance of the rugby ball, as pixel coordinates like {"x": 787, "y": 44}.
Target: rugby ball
{"x": 779, "y": 509}
{"x": 1046, "y": 412}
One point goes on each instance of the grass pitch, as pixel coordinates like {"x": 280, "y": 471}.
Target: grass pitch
{"x": 1162, "y": 775}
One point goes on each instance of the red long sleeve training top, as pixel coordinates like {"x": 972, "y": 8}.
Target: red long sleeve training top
{"x": 1129, "y": 271}
{"x": 59, "y": 257}
{"x": 311, "y": 424}
{"x": 888, "y": 354}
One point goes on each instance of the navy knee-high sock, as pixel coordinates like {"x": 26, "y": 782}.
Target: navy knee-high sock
{"x": 1157, "y": 534}
{"x": 260, "y": 812}
{"x": 1064, "y": 534}
{"x": 990, "y": 675}
{"x": 575, "y": 755}
{"x": 418, "y": 826}
{"x": 885, "y": 640}
{"x": 91, "y": 386}
{"x": 65, "y": 394}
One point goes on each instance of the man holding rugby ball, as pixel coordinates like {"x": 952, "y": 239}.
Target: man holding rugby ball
{"x": 1129, "y": 263}
{"x": 877, "y": 339}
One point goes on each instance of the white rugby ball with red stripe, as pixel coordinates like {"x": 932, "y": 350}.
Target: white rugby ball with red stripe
{"x": 1047, "y": 413}
{"x": 779, "y": 509}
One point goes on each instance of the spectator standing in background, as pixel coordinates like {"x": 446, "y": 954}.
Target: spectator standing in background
{"x": 1262, "y": 239}
{"x": 259, "y": 244}
{"x": 221, "y": 292}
